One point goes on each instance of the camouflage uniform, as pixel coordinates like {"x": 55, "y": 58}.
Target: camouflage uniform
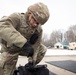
{"x": 15, "y": 29}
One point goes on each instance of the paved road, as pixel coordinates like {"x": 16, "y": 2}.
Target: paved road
{"x": 58, "y": 71}
{"x": 55, "y": 55}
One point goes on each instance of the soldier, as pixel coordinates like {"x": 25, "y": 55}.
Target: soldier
{"x": 21, "y": 34}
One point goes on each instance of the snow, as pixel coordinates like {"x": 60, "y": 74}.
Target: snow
{"x": 60, "y": 52}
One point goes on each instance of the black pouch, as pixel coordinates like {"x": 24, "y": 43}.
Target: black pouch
{"x": 34, "y": 38}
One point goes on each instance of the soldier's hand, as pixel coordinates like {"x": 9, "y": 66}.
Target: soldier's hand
{"x": 30, "y": 65}
{"x": 29, "y": 51}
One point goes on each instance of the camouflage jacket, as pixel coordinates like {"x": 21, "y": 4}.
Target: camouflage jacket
{"x": 15, "y": 29}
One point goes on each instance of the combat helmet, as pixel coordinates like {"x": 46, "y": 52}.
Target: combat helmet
{"x": 40, "y": 12}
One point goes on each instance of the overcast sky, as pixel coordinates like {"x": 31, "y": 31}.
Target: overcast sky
{"x": 62, "y": 12}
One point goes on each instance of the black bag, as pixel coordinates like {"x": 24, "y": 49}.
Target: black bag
{"x": 37, "y": 70}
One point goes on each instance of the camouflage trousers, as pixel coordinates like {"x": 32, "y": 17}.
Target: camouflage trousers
{"x": 8, "y": 60}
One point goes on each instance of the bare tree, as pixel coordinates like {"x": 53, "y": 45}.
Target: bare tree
{"x": 70, "y": 34}
{"x": 56, "y": 36}
{"x": 45, "y": 40}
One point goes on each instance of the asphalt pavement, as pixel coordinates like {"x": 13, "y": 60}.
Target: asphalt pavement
{"x": 53, "y": 55}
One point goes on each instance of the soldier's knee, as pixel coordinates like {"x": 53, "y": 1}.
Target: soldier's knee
{"x": 1, "y": 68}
{"x": 43, "y": 48}
{"x": 1, "y": 71}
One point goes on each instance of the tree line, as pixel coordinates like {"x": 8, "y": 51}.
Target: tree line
{"x": 59, "y": 36}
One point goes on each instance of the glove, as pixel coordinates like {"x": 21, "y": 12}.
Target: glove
{"x": 29, "y": 51}
{"x": 34, "y": 38}
{"x": 30, "y": 65}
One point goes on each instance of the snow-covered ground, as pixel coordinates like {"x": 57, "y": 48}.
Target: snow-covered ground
{"x": 60, "y": 52}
